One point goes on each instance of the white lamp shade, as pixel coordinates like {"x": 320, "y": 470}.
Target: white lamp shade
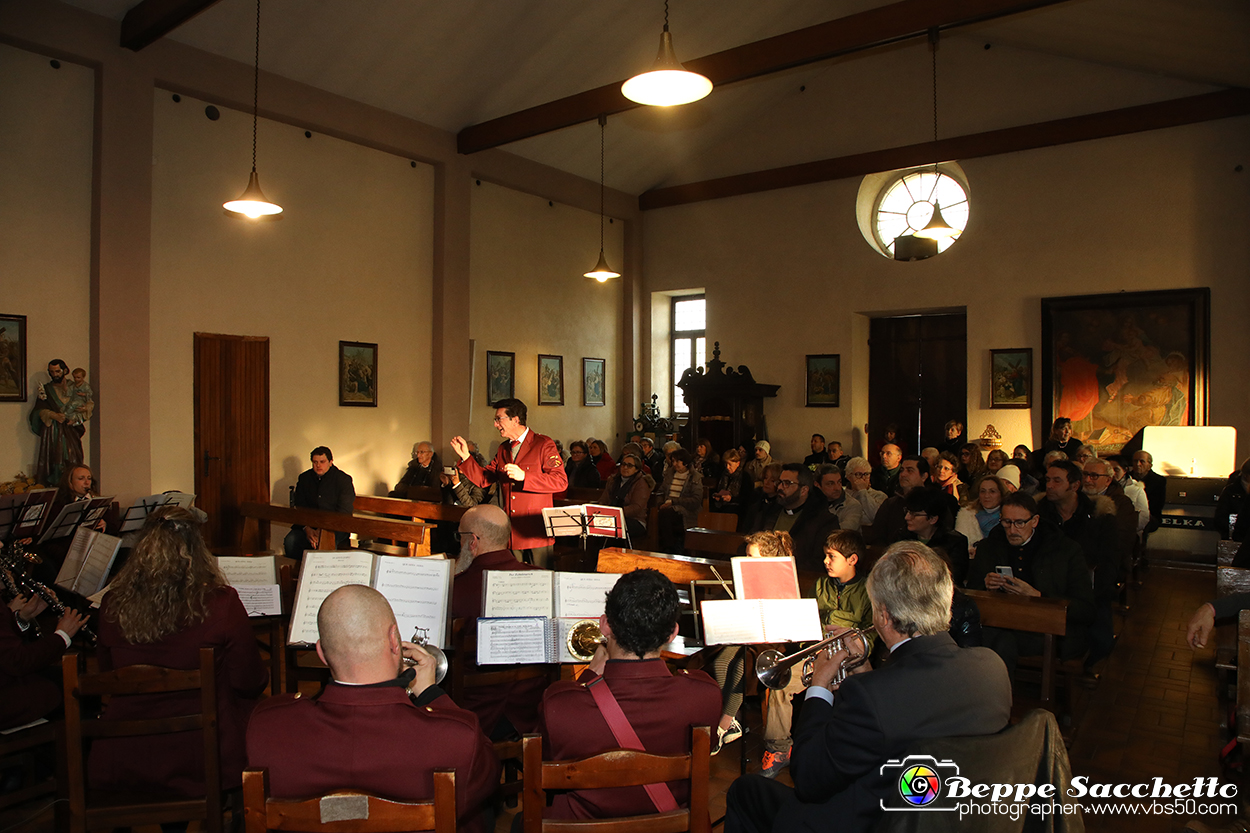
{"x": 667, "y": 83}
{"x": 252, "y": 202}
{"x": 602, "y": 271}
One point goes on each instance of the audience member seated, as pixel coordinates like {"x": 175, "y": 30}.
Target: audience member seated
{"x": 931, "y": 455}
{"x": 801, "y": 510}
{"x": 930, "y": 688}
{"x": 836, "y": 455}
{"x": 372, "y": 729}
{"x": 1154, "y": 484}
{"x": 423, "y": 471}
{"x": 636, "y": 450}
{"x": 756, "y": 465}
{"x": 732, "y": 487}
{"x": 706, "y": 460}
{"x": 1232, "y": 502}
{"x": 640, "y": 617}
{"x": 925, "y": 508}
{"x": 325, "y": 487}
{"x": 891, "y": 521}
{"x": 858, "y": 473}
{"x": 946, "y": 477}
{"x": 760, "y": 498}
{"x": 954, "y": 437}
{"x": 29, "y": 660}
{"x": 682, "y": 498}
{"x": 849, "y": 510}
{"x": 885, "y": 476}
{"x": 971, "y": 463}
{"x": 653, "y": 457}
{"x": 1021, "y": 454}
{"x": 1083, "y": 455}
{"x": 630, "y": 488}
{"x": 1120, "y": 467}
{"x": 1060, "y": 440}
{"x": 980, "y": 514}
{"x": 819, "y": 455}
{"x": 995, "y": 460}
{"x": 889, "y": 436}
{"x": 506, "y": 709}
{"x": 1028, "y": 556}
{"x": 168, "y": 601}
{"x": 581, "y": 471}
{"x": 460, "y": 491}
{"x": 601, "y": 459}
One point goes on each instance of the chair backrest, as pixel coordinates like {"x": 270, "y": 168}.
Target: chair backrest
{"x": 347, "y": 812}
{"x": 130, "y": 680}
{"x": 619, "y": 768}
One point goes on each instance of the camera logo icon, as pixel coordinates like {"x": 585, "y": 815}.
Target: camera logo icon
{"x": 919, "y": 785}
{"x": 917, "y": 782}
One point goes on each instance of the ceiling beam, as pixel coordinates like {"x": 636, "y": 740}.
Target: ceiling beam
{"x": 853, "y": 33}
{"x": 151, "y": 20}
{"x": 1179, "y": 111}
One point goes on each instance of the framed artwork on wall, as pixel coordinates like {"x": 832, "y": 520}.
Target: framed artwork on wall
{"x": 824, "y": 379}
{"x": 12, "y": 358}
{"x": 1117, "y": 363}
{"x": 593, "y": 377}
{"x": 550, "y": 380}
{"x": 500, "y": 376}
{"x": 358, "y": 373}
{"x": 1011, "y": 378}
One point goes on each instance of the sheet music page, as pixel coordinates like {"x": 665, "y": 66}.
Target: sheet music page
{"x": 581, "y": 595}
{"x": 75, "y": 557}
{"x": 560, "y": 521}
{"x": 512, "y": 641}
{"x": 259, "y": 599}
{"x": 765, "y": 578}
{"x": 790, "y": 620}
{"x": 32, "y": 515}
{"x": 181, "y": 499}
{"x": 417, "y": 589}
{"x": 96, "y": 508}
{"x": 323, "y": 573}
{"x": 95, "y": 569}
{"x": 732, "y": 622}
{"x": 249, "y": 569}
{"x": 605, "y": 521}
{"x": 64, "y": 522}
{"x": 517, "y": 593}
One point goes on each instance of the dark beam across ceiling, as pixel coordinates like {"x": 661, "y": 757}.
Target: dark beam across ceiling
{"x": 1178, "y": 111}
{"x": 152, "y": 20}
{"x": 853, "y": 33}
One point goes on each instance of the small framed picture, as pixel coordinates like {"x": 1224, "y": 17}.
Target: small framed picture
{"x": 550, "y": 380}
{"x": 824, "y": 378}
{"x": 593, "y": 382}
{"x": 12, "y": 358}
{"x": 358, "y": 373}
{"x": 500, "y": 376}
{"x": 1011, "y": 378}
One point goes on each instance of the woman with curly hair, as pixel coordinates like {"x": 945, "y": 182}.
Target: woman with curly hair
{"x": 169, "y": 600}
{"x": 971, "y": 463}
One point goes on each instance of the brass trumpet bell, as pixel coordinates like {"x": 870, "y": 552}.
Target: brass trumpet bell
{"x": 583, "y": 638}
{"x": 772, "y": 668}
{"x": 440, "y": 658}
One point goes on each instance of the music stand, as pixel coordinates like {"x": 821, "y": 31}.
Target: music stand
{"x": 133, "y": 520}
{"x": 10, "y": 506}
{"x": 587, "y": 520}
{"x": 34, "y": 514}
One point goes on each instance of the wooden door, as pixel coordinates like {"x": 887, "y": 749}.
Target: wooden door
{"x": 918, "y": 377}
{"x": 231, "y": 431}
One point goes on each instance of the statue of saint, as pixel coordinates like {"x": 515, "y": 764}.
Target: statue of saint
{"x": 61, "y": 408}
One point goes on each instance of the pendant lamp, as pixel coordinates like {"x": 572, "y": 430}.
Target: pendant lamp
{"x": 602, "y": 271}
{"x": 667, "y": 83}
{"x": 252, "y": 202}
{"x": 937, "y": 229}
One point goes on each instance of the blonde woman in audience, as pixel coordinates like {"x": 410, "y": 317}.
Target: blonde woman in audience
{"x": 169, "y": 600}
{"x": 981, "y": 513}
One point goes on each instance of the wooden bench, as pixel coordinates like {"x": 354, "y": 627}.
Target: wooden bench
{"x": 1243, "y": 680}
{"x": 679, "y": 569}
{"x": 575, "y": 497}
{"x": 1225, "y": 552}
{"x": 417, "y": 510}
{"x": 717, "y": 521}
{"x": 704, "y": 542}
{"x": 1228, "y": 581}
{"x": 1049, "y": 617}
{"x": 258, "y": 516}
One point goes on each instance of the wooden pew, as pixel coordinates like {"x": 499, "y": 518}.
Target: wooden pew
{"x": 417, "y": 510}
{"x": 1243, "y": 680}
{"x": 679, "y": 569}
{"x": 1225, "y": 552}
{"x": 576, "y": 497}
{"x": 1228, "y": 580}
{"x": 717, "y": 521}
{"x": 704, "y": 542}
{"x": 1049, "y": 617}
{"x": 258, "y": 516}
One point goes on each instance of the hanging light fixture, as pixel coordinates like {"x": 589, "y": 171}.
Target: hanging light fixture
{"x": 602, "y": 271}
{"x": 667, "y": 82}
{"x": 252, "y": 202}
{"x": 937, "y": 229}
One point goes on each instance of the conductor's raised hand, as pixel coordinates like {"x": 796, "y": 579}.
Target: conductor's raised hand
{"x": 425, "y": 667}
{"x": 461, "y": 447}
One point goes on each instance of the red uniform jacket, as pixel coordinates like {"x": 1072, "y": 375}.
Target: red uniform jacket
{"x": 25, "y": 694}
{"x": 516, "y": 701}
{"x": 176, "y": 762}
{"x": 374, "y": 739}
{"x": 660, "y": 706}
{"x": 524, "y": 501}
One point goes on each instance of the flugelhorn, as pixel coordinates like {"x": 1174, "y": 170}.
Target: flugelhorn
{"x": 773, "y": 669}
{"x": 583, "y": 639}
{"x": 421, "y": 638}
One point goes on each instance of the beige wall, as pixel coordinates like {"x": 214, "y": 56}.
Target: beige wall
{"x": 528, "y": 295}
{"x": 787, "y": 272}
{"x": 45, "y": 228}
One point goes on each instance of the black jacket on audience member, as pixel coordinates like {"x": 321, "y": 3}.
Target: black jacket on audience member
{"x": 1093, "y": 526}
{"x": 738, "y": 488}
{"x": 418, "y": 475}
{"x": 811, "y": 528}
{"x": 1232, "y": 501}
{"x": 583, "y": 475}
{"x": 1156, "y": 488}
{"x": 954, "y": 545}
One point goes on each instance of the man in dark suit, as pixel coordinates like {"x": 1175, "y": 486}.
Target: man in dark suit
{"x": 801, "y": 510}
{"x": 1155, "y": 485}
{"x": 929, "y": 688}
{"x": 372, "y": 729}
{"x": 325, "y": 487}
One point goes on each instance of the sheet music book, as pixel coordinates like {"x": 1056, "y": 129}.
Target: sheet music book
{"x": 88, "y": 562}
{"x": 419, "y": 590}
{"x": 133, "y": 520}
{"x": 555, "y": 600}
{"x": 33, "y": 514}
{"x": 255, "y": 579}
{"x": 753, "y": 621}
{"x": 765, "y": 578}
{"x": 80, "y": 512}
{"x": 598, "y": 521}
{"x": 516, "y": 640}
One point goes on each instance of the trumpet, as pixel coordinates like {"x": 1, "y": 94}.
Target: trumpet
{"x": 421, "y": 638}
{"x": 583, "y": 638}
{"x": 773, "y": 669}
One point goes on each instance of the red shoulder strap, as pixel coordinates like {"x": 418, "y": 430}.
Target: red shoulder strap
{"x": 660, "y": 794}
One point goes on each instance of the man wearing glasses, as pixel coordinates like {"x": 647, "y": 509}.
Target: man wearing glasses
{"x": 858, "y": 485}
{"x": 802, "y": 511}
{"x": 1028, "y": 556}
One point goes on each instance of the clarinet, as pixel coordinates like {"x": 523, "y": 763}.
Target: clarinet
{"x": 27, "y": 585}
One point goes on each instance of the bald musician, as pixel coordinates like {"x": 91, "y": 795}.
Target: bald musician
{"x": 372, "y": 729}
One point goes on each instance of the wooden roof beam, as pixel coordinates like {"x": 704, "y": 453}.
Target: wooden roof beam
{"x": 1178, "y": 111}
{"x": 152, "y": 20}
{"x": 853, "y": 33}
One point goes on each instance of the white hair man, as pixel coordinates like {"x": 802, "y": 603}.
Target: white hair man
{"x": 858, "y": 486}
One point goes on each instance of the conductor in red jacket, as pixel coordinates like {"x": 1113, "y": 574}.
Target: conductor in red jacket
{"x": 529, "y": 471}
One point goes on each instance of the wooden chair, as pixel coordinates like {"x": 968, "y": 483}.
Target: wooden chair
{"x": 347, "y": 812}
{"x": 619, "y": 768}
{"x": 1049, "y": 617}
{"x": 91, "y": 810}
{"x": 17, "y": 749}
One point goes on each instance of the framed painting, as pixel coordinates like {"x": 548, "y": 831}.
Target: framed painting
{"x": 593, "y": 380}
{"x": 1117, "y": 363}
{"x": 12, "y": 358}
{"x": 1011, "y": 378}
{"x": 500, "y": 376}
{"x": 550, "y": 380}
{"x": 358, "y": 373}
{"x": 824, "y": 378}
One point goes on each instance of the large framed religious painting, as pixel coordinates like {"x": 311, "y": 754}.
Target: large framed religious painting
{"x": 1117, "y": 363}
{"x": 358, "y": 373}
{"x": 500, "y": 376}
{"x": 594, "y": 372}
{"x": 824, "y": 379}
{"x": 1011, "y": 378}
{"x": 12, "y": 358}
{"x": 550, "y": 380}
